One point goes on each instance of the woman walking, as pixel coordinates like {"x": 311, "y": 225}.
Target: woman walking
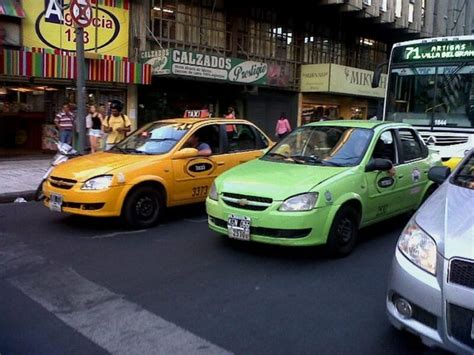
{"x": 95, "y": 121}
{"x": 282, "y": 127}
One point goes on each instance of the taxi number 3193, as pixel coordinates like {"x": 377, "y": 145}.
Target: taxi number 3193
{"x": 199, "y": 191}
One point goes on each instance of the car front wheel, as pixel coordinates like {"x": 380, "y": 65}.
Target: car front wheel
{"x": 143, "y": 207}
{"x": 343, "y": 234}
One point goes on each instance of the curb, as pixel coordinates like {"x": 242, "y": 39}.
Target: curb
{"x": 11, "y": 196}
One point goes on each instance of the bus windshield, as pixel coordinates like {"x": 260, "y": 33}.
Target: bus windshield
{"x": 432, "y": 95}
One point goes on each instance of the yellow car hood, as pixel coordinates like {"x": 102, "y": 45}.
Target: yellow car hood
{"x": 83, "y": 168}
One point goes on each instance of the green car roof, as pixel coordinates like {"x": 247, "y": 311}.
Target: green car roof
{"x": 359, "y": 124}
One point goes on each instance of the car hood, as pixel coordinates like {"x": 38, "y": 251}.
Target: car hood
{"x": 88, "y": 166}
{"x": 447, "y": 216}
{"x": 274, "y": 180}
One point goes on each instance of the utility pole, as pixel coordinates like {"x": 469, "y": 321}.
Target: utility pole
{"x": 81, "y": 14}
{"x": 81, "y": 89}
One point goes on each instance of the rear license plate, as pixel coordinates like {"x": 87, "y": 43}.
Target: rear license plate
{"x": 56, "y": 202}
{"x": 238, "y": 227}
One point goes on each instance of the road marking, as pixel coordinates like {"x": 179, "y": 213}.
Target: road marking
{"x": 117, "y": 234}
{"x": 113, "y": 323}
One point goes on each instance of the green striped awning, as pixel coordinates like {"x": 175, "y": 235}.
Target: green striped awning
{"x": 11, "y": 8}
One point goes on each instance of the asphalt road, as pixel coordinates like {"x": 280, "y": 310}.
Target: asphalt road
{"x": 82, "y": 286}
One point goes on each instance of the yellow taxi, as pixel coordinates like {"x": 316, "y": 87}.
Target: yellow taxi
{"x": 165, "y": 163}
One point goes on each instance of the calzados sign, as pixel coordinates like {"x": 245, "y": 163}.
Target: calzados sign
{"x": 49, "y": 24}
{"x": 207, "y": 66}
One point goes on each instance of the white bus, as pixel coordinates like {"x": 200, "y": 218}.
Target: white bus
{"x": 431, "y": 86}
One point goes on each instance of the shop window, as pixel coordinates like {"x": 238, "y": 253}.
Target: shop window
{"x": 241, "y": 138}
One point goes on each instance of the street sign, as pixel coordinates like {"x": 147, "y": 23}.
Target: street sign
{"x": 81, "y": 12}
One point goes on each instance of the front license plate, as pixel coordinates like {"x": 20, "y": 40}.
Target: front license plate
{"x": 56, "y": 202}
{"x": 238, "y": 227}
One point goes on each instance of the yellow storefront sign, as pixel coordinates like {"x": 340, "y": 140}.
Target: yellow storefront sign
{"x": 340, "y": 79}
{"x": 315, "y": 77}
{"x": 47, "y": 25}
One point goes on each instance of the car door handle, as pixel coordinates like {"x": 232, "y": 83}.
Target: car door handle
{"x": 220, "y": 163}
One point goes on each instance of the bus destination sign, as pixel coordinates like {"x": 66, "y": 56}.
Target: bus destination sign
{"x": 440, "y": 51}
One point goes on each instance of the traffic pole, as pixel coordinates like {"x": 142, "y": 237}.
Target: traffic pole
{"x": 81, "y": 89}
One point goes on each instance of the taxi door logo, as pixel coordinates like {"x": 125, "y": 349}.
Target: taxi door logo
{"x": 49, "y": 23}
{"x": 200, "y": 167}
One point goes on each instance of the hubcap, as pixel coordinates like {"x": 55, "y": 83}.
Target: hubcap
{"x": 345, "y": 230}
{"x": 145, "y": 207}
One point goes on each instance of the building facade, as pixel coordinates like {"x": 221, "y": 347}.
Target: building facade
{"x": 309, "y": 60}
{"x": 38, "y": 67}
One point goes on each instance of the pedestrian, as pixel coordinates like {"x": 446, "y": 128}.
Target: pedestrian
{"x": 116, "y": 124}
{"x": 230, "y": 129}
{"x": 283, "y": 127}
{"x": 94, "y": 123}
{"x": 64, "y": 121}
{"x": 230, "y": 113}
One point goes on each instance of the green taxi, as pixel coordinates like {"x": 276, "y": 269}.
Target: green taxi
{"x": 323, "y": 182}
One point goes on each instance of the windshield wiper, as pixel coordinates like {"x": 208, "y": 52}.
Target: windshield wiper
{"x": 273, "y": 154}
{"x": 121, "y": 150}
{"x": 162, "y": 139}
{"x": 133, "y": 150}
{"x": 306, "y": 159}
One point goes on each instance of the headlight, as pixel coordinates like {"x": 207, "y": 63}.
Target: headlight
{"x": 303, "y": 202}
{"x": 213, "y": 192}
{"x": 418, "y": 247}
{"x": 98, "y": 183}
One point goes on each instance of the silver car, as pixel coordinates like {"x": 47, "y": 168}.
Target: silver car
{"x": 431, "y": 287}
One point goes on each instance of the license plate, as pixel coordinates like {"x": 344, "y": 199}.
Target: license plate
{"x": 56, "y": 202}
{"x": 238, "y": 227}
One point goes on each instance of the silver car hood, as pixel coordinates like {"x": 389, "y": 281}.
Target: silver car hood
{"x": 448, "y": 217}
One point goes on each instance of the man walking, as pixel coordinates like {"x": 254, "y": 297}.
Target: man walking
{"x": 65, "y": 123}
{"x": 116, "y": 125}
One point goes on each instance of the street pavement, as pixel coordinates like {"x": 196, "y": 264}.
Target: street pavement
{"x": 20, "y": 178}
{"x": 89, "y": 286}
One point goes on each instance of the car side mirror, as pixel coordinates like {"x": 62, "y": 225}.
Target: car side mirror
{"x": 379, "y": 164}
{"x": 186, "y": 153}
{"x": 439, "y": 174}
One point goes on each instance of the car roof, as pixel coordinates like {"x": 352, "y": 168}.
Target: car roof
{"x": 368, "y": 124}
{"x": 197, "y": 121}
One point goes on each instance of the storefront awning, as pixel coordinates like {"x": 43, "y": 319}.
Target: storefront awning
{"x": 11, "y": 8}
{"x": 42, "y": 64}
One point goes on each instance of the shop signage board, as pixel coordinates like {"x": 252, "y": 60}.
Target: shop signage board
{"x": 340, "y": 79}
{"x": 182, "y": 62}
{"x": 315, "y": 77}
{"x": 49, "y": 24}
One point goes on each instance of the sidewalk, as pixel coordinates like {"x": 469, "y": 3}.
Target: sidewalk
{"x": 20, "y": 178}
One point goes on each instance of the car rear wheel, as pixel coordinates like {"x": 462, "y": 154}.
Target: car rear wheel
{"x": 343, "y": 234}
{"x": 143, "y": 207}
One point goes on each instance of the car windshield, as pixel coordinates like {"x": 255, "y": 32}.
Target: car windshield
{"x": 322, "y": 145}
{"x": 464, "y": 176}
{"x": 438, "y": 96}
{"x": 155, "y": 138}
